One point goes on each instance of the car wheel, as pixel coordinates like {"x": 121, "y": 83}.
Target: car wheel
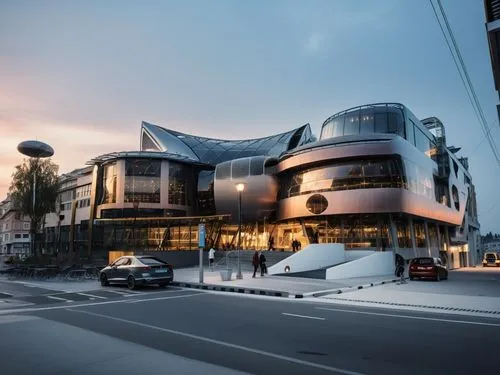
{"x": 104, "y": 280}
{"x": 131, "y": 282}
{"x": 412, "y": 278}
{"x": 163, "y": 285}
{"x": 438, "y": 277}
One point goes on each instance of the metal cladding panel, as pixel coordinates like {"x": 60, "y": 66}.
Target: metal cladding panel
{"x": 367, "y": 201}
{"x": 258, "y": 199}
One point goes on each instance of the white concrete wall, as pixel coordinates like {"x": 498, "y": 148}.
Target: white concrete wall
{"x": 312, "y": 257}
{"x": 357, "y": 254}
{"x": 377, "y": 264}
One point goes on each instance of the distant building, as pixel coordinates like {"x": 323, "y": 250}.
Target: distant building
{"x": 378, "y": 179}
{"x": 14, "y": 231}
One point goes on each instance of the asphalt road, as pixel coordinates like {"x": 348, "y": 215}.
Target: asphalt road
{"x": 187, "y": 331}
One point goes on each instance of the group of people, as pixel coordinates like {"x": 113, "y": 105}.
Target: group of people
{"x": 296, "y": 245}
{"x": 259, "y": 259}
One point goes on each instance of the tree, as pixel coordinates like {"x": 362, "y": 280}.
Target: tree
{"x": 47, "y": 187}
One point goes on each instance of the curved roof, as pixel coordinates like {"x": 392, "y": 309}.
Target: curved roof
{"x": 214, "y": 151}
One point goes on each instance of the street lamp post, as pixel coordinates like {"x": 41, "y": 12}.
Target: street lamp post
{"x": 239, "y": 187}
{"x": 36, "y": 150}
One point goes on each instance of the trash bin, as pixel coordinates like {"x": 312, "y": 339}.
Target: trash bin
{"x": 225, "y": 275}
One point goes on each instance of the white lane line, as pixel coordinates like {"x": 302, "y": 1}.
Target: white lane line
{"x": 223, "y": 343}
{"x": 32, "y": 309}
{"x": 93, "y": 296}
{"x": 303, "y": 316}
{"x": 60, "y": 299}
{"x": 413, "y": 317}
{"x": 162, "y": 298}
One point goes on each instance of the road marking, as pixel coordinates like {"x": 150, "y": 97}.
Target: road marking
{"x": 414, "y": 317}
{"x": 91, "y": 295}
{"x": 11, "y": 311}
{"x": 303, "y": 316}
{"x": 59, "y": 298}
{"x": 162, "y": 298}
{"x": 222, "y": 343}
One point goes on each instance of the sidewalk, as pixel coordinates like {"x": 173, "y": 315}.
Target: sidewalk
{"x": 279, "y": 286}
{"x": 403, "y": 297}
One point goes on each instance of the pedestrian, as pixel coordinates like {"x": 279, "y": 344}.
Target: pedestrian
{"x": 299, "y": 245}
{"x": 255, "y": 262}
{"x": 293, "y": 245}
{"x": 211, "y": 257}
{"x": 400, "y": 268}
{"x": 263, "y": 267}
{"x": 271, "y": 244}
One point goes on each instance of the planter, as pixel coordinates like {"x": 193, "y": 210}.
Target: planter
{"x": 225, "y": 275}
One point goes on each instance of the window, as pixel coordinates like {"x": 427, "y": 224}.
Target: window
{"x": 240, "y": 168}
{"x": 26, "y": 225}
{"x": 109, "y": 183}
{"x": 180, "y": 184}
{"x": 142, "y": 180}
{"x": 351, "y": 125}
{"x": 404, "y": 237}
{"x": 17, "y": 235}
{"x": 26, "y": 235}
{"x": 152, "y": 261}
{"x": 420, "y": 238}
{"x": 257, "y": 166}
{"x": 362, "y": 174}
{"x": 223, "y": 171}
{"x": 367, "y": 121}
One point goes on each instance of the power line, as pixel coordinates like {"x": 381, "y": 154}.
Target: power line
{"x": 484, "y": 138}
{"x": 464, "y": 76}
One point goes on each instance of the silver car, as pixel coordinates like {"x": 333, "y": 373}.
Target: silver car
{"x": 137, "y": 270}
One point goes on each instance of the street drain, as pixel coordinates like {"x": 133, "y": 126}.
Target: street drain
{"x": 310, "y": 353}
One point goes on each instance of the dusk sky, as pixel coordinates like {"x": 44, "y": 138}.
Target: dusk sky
{"x": 82, "y": 75}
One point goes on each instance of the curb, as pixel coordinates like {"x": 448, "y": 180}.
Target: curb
{"x": 322, "y": 293}
{"x": 234, "y": 289}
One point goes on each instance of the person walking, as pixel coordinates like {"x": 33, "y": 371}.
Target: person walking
{"x": 400, "y": 268}
{"x": 255, "y": 262}
{"x": 263, "y": 267}
{"x": 211, "y": 257}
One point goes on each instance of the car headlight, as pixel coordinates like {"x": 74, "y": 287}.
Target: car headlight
{"x": 146, "y": 274}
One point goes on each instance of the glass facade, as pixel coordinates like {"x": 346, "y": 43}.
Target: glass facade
{"x": 142, "y": 180}
{"x": 181, "y": 184}
{"x": 360, "y": 174}
{"x": 109, "y": 183}
{"x": 370, "y": 119}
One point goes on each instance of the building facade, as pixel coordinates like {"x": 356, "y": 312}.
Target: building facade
{"x": 378, "y": 179}
{"x": 14, "y": 231}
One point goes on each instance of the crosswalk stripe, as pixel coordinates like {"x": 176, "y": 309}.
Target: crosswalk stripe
{"x": 60, "y": 299}
{"x": 91, "y": 295}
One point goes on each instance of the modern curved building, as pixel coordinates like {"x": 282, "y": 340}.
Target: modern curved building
{"x": 377, "y": 179}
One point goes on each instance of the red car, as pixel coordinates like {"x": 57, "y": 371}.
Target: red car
{"x": 428, "y": 268}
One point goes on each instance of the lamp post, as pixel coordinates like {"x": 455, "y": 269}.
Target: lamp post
{"x": 36, "y": 150}
{"x": 239, "y": 187}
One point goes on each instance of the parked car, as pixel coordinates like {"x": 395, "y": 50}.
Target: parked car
{"x": 137, "y": 270}
{"x": 428, "y": 268}
{"x": 491, "y": 260}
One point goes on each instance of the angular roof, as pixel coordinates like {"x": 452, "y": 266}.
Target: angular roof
{"x": 214, "y": 151}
